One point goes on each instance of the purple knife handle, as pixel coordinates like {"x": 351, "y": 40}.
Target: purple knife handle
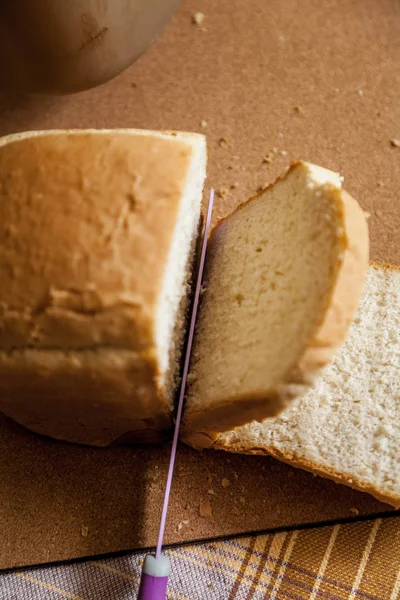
{"x": 154, "y": 580}
{"x": 153, "y": 588}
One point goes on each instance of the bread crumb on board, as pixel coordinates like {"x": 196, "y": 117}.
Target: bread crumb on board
{"x": 225, "y": 482}
{"x": 182, "y": 472}
{"x": 298, "y": 109}
{"x": 191, "y": 378}
{"x": 203, "y": 123}
{"x": 198, "y": 18}
{"x": 395, "y": 143}
{"x": 205, "y": 510}
{"x": 223, "y": 141}
{"x": 182, "y": 523}
{"x": 235, "y": 511}
{"x": 222, "y": 192}
{"x": 234, "y": 186}
{"x": 84, "y": 530}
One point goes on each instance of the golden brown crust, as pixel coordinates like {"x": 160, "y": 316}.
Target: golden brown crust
{"x": 326, "y": 472}
{"x": 95, "y": 397}
{"x": 89, "y": 396}
{"x": 383, "y": 266}
{"x": 85, "y": 218}
{"x": 344, "y": 296}
{"x": 84, "y": 224}
{"x": 341, "y": 305}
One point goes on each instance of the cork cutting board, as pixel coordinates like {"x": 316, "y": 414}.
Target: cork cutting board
{"x": 312, "y": 79}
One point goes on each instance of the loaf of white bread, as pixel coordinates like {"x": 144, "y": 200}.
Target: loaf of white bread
{"x": 348, "y": 427}
{"x": 97, "y": 237}
{"x": 97, "y": 232}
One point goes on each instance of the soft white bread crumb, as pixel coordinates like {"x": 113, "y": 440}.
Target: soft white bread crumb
{"x": 283, "y": 277}
{"x": 348, "y": 427}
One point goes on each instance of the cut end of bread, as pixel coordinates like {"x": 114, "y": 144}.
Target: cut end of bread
{"x": 283, "y": 278}
{"x": 348, "y": 427}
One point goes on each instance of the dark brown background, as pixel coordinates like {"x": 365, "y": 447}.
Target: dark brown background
{"x": 244, "y": 72}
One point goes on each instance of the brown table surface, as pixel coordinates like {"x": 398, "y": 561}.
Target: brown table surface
{"x": 313, "y": 79}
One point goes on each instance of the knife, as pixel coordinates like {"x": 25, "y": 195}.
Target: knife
{"x": 156, "y": 567}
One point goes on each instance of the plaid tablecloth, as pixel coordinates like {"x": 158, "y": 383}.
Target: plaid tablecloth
{"x": 352, "y": 561}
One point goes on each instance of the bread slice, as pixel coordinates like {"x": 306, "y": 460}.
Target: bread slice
{"x": 283, "y": 278}
{"x": 348, "y": 427}
{"x": 97, "y": 229}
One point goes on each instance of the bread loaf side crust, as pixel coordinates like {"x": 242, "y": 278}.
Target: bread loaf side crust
{"x": 86, "y": 223}
{"x": 86, "y": 217}
{"x": 306, "y": 465}
{"x": 90, "y": 397}
{"x": 341, "y": 303}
